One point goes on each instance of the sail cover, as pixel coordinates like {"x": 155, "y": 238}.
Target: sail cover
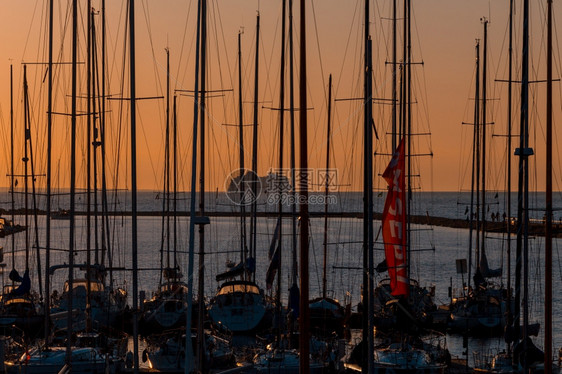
{"x": 394, "y": 223}
{"x": 485, "y": 268}
{"x": 25, "y": 285}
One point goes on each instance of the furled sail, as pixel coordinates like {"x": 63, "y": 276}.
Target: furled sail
{"x": 248, "y": 266}
{"x": 25, "y": 285}
{"x": 485, "y": 269}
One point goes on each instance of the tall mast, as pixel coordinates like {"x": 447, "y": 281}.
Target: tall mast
{"x": 175, "y": 182}
{"x": 483, "y": 141}
{"x": 394, "y": 65}
{"x": 523, "y": 183}
{"x": 134, "y": 182}
{"x": 304, "y": 340}
{"x": 368, "y": 261}
{"x": 253, "y": 222}
{"x": 408, "y": 118}
{"x": 280, "y": 173}
{"x": 165, "y": 235}
{"x": 294, "y": 296}
{"x": 105, "y": 224}
{"x": 293, "y": 148}
{"x": 167, "y": 188}
{"x": 475, "y": 159}
{"x": 68, "y": 358}
{"x": 12, "y": 162}
{"x": 47, "y": 301}
{"x": 165, "y": 230}
{"x": 201, "y": 278}
{"x": 478, "y": 148}
{"x": 192, "y": 218}
{"x": 34, "y": 197}
{"x": 243, "y": 244}
{"x": 89, "y": 99}
{"x": 26, "y": 160}
{"x": 548, "y": 235}
{"x": 509, "y": 312}
{"x": 95, "y": 134}
{"x": 327, "y": 188}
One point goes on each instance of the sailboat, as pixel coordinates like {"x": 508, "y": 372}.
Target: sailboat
{"x": 326, "y": 313}
{"x": 92, "y": 353}
{"x": 420, "y": 300}
{"x": 167, "y": 309}
{"x": 52, "y": 360}
{"x": 404, "y": 347}
{"x": 166, "y": 352}
{"x": 18, "y": 307}
{"x": 522, "y": 355}
{"x": 481, "y": 309}
{"x": 311, "y": 356}
{"x": 239, "y": 304}
{"x": 100, "y": 306}
{"x": 82, "y": 352}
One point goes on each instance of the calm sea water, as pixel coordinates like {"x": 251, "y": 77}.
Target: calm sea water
{"x": 433, "y": 259}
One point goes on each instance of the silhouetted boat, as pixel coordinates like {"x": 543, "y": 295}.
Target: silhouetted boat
{"x": 167, "y": 352}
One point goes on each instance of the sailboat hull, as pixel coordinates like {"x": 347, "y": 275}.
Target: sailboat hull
{"x": 238, "y": 307}
{"x": 84, "y": 361}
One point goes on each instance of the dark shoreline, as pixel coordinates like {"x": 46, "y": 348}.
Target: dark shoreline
{"x": 536, "y": 227}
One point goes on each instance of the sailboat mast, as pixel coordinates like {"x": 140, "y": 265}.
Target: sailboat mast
{"x": 408, "y": 117}
{"x": 34, "y": 200}
{"x": 280, "y": 173}
{"x": 68, "y": 357}
{"x": 304, "y": 342}
{"x": 368, "y": 235}
{"x": 483, "y": 141}
{"x": 293, "y": 148}
{"x": 527, "y": 152}
{"x": 47, "y": 301}
{"x": 192, "y": 218}
{"x": 478, "y": 143}
{"x": 523, "y": 183}
{"x": 175, "y": 182}
{"x": 475, "y": 160}
{"x": 326, "y": 188}
{"x": 548, "y": 213}
{"x": 28, "y": 161}
{"x": 165, "y": 229}
{"x": 105, "y": 224}
{"x": 168, "y": 154}
{"x": 243, "y": 247}
{"x": 89, "y": 99}
{"x": 201, "y": 275}
{"x": 95, "y": 134}
{"x": 253, "y": 222}
{"x": 25, "y": 160}
{"x": 134, "y": 241}
{"x": 509, "y": 312}
{"x": 394, "y": 65}
{"x": 12, "y": 175}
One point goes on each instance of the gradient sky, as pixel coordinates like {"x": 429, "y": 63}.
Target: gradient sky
{"x": 444, "y": 38}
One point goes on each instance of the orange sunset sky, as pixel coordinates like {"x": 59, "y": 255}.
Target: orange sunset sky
{"x": 444, "y": 35}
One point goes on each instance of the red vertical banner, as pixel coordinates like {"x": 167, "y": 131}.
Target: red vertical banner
{"x": 394, "y": 222}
